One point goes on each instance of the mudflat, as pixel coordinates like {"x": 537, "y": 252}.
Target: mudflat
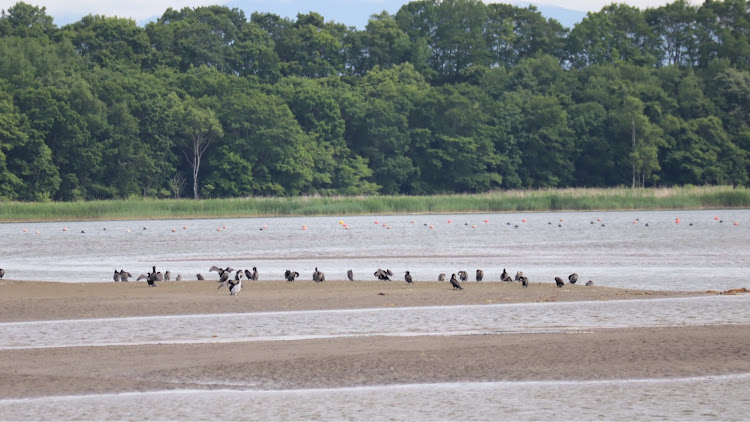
{"x": 374, "y": 360}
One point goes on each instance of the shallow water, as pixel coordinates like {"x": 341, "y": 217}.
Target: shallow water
{"x": 441, "y": 320}
{"x": 700, "y": 398}
{"x": 636, "y": 249}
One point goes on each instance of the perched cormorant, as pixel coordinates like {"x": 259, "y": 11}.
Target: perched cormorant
{"x": 589, "y": 283}
{"x": 152, "y": 277}
{"x": 518, "y": 276}
{"x": 318, "y": 276}
{"x": 2, "y": 273}
{"x": 124, "y": 275}
{"x": 255, "y": 274}
{"x": 179, "y": 277}
{"x": 167, "y": 275}
{"x": 524, "y": 281}
{"x": 290, "y": 275}
{"x": 199, "y": 276}
{"x": 383, "y": 275}
{"x": 441, "y": 277}
{"x": 505, "y": 276}
{"x": 463, "y": 275}
{"x": 573, "y": 278}
{"x": 407, "y": 277}
{"x": 454, "y": 283}
{"x": 559, "y": 282}
{"x": 480, "y": 275}
{"x": 116, "y": 277}
{"x": 350, "y": 275}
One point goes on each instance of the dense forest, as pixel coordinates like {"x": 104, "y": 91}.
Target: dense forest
{"x": 444, "y": 96}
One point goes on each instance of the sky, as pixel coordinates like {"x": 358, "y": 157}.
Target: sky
{"x": 349, "y": 12}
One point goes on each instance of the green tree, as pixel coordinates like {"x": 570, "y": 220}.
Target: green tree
{"x": 200, "y": 128}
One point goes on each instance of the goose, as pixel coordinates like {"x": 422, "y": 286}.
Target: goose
{"x": 454, "y": 283}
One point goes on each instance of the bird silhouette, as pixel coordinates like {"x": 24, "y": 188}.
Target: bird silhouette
{"x": 454, "y": 283}
{"x": 441, "y": 277}
{"x": 559, "y": 282}
{"x": 463, "y": 275}
{"x": 350, "y": 275}
{"x": 573, "y": 278}
{"x": 480, "y": 275}
{"x": 290, "y": 275}
{"x": 199, "y": 276}
{"x": 407, "y": 277}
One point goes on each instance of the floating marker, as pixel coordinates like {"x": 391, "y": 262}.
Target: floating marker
{"x": 184, "y": 227}
{"x": 486, "y": 221}
{"x": 304, "y": 227}
{"x": 174, "y": 230}
{"x": 523, "y": 221}
{"x": 716, "y": 218}
{"x": 431, "y": 226}
{"x": 37, "y": 232}
{"x": 24, "y": 230}
{"x": 64, "y": 229}
{"x": 376, "y": 221}
{"x": 449, "y": 221}
{"x": 474, "y": 226}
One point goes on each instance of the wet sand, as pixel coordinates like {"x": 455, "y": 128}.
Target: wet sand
{"x": 576, "y": 355}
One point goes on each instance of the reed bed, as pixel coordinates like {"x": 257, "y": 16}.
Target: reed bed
{"x": 501, "y": 201}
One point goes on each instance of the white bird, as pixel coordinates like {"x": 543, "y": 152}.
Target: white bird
{"x": 235, "y": 288}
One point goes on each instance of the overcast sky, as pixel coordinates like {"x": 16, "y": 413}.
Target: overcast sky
{"x": 344, "y": 11}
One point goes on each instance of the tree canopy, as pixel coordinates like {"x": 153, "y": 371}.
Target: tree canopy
{"x": 443, "y": 96}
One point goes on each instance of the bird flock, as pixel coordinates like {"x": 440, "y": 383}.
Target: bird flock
{"x": 234, "y": 284}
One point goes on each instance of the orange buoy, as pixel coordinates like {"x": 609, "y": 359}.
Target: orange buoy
{"x": 431, "y": 226}
{"x": 64, "y": 229}
{"x": 184, "y": 227}
{"x": 474, "y": 226}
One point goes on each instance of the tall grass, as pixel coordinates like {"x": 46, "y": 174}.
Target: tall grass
{"x": 505, "y": 201}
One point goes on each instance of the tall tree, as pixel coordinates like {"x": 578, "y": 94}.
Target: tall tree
{"x": 200, "y": 129}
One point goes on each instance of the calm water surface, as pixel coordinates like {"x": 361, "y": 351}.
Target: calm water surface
{"x": 638, "y": 249}
{"x": 703, "y": 398}
{"x": 437, "y": 320}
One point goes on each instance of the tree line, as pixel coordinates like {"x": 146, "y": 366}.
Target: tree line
{"x": 444, "y": 96}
